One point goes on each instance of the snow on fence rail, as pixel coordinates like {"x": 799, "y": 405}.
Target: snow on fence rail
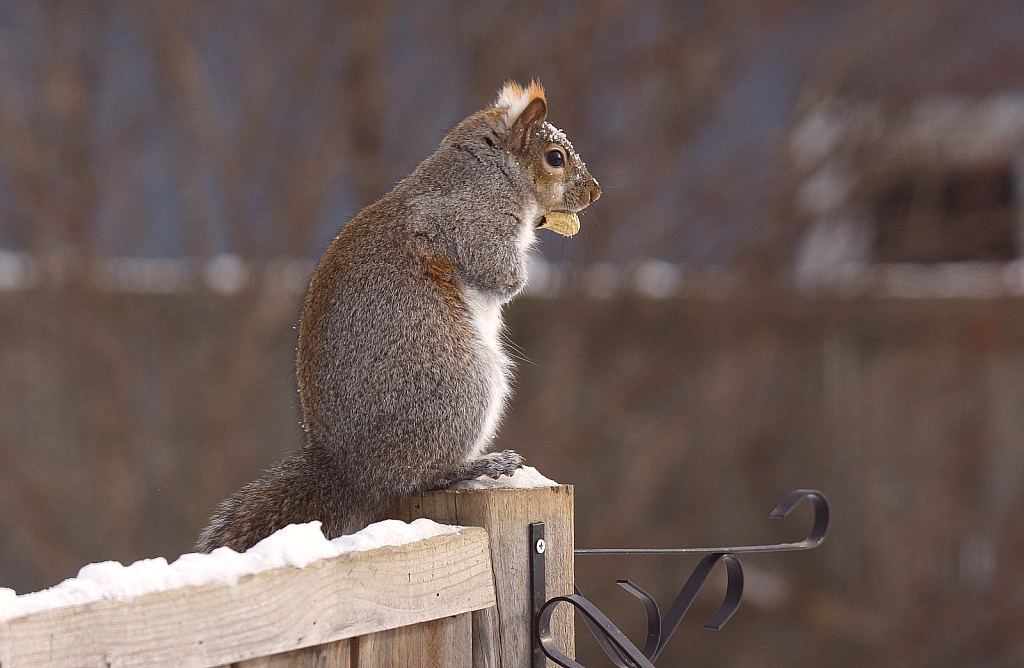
{"x": 457, "y": 598}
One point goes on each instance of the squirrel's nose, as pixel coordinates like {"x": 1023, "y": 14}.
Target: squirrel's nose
{"x": 595, "y": 192}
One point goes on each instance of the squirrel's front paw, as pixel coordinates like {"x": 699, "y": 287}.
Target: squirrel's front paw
{"x": 496, "y": 464}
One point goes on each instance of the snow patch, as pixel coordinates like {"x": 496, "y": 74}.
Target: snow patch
{"x": 296, "y": 545}
{"x": 526, "y": 477}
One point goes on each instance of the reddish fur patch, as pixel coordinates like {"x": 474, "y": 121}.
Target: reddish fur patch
{"x": 440, "y": 271}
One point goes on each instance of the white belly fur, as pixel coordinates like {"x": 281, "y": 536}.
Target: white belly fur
{"x": 485, "y": 318}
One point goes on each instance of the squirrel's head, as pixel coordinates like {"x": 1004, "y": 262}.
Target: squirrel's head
{"x": 563, "y": 184}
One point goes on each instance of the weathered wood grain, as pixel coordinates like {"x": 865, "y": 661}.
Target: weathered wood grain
{"x": 502, "y": 635}
{"x": 332, "y": 655}
{"x": 442, "y": 643}
{"x": 263, "y": 614}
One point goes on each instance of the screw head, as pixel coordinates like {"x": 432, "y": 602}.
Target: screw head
{"x": 540, "y": 546}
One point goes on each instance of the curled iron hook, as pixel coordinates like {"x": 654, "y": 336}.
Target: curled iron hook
{"x": 615, "y": 644}
{"x": 819, "y": 528}
{"x": 622, "y": 652}
{"x": 618, "y": 647}
{"x": 660, "y": 630}
{"x": 821, "y": 517}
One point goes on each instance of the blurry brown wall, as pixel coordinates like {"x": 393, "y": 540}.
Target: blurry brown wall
{"x": 680, "y": 422}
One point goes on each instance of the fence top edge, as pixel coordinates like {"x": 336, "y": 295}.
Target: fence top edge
{"x": 464, "y": 534}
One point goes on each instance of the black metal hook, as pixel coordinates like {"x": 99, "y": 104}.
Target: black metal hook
{"x": 616, "y": 645}
{"x": 660, "y": 630}
{"x": 819, "y": 528}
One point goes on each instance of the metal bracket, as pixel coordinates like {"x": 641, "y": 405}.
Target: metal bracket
{"x": 615, "y": 644}
{"x": 538, "y": 587}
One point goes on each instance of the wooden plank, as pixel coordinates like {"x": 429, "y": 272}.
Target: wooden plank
{"x": 263, "y": 614}
{"x": 442, "y": 643}
{"x": 331, "y": 655}
{"x": 502, "y": 636}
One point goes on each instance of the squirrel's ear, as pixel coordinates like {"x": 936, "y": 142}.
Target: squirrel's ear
{"x": 528, "y": 120}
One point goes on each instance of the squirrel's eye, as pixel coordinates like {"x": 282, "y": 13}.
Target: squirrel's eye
{"x": 555, "y": 158}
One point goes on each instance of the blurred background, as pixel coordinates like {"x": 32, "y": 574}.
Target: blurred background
{"x": 805, "y": 271}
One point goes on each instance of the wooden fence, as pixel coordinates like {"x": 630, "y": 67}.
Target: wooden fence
{"x": 460, "y": 599}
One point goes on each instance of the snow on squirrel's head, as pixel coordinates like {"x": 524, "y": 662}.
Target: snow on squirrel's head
{"x": 513, "y": 98}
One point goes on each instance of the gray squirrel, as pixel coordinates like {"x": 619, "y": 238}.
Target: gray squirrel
{"x": 402, "y": 375}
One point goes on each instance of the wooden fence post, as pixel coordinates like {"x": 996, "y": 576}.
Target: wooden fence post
{"x": 502, "y": 636}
